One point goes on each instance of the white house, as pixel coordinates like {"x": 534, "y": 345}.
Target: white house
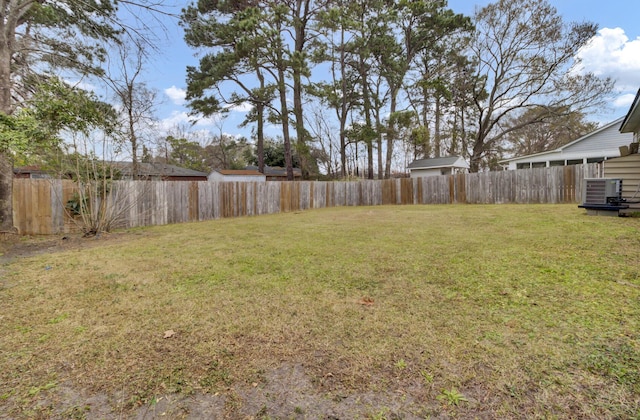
{"x": 597, "y": 146}
{"x": 438, "y": 166}
{"x": 236, "y": 175}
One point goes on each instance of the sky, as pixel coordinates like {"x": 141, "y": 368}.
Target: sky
{"x": 614, "y": 52}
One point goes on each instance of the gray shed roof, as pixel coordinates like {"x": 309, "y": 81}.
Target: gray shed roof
{"x": 441, "y": 162}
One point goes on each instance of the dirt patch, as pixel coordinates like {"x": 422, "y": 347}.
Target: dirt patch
{"x": 14, "y": 247}
{"x": 287, "y": 392}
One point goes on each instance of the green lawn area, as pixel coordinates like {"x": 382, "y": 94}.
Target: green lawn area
{"x": 506, "y": 311}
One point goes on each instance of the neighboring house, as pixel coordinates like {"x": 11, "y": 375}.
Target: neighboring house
{"x": 276, "y": 173}
{"x": 438, "y": 166}
{"x": 237, "y": 175}
{"x": 155, "y": 171}
{"x": 30, "y": 172}
{"x": 146, "y": 171}
{"x": 597, "y": 146}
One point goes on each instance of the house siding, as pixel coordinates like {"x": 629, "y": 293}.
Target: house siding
{"x": 602, "y": 143}
{"x": 608, "y": 139}
{"x": 626, "y": 168}
{"x": 418, "y": 173}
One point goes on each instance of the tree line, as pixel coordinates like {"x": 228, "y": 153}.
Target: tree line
{"x": 405, "y": 75}
{"x": 221, "y": 151}
{"x": 348, "y": 83}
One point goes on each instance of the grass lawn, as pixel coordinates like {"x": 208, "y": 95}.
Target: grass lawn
{"x": 506, "y": 311}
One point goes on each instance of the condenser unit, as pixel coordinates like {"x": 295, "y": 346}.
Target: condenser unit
{"x": 602, "y": 191}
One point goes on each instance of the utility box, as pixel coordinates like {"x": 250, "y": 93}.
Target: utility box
{"x": 602, "y": 191}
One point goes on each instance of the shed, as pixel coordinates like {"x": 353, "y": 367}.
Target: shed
{"x": 236, "y": 175}
{"x": 32, "y": 172}
{"x": 599, "y": 145}
{"x": 438, "y": 166}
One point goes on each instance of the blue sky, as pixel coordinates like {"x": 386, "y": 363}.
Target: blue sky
{"x": 614, "y": 52}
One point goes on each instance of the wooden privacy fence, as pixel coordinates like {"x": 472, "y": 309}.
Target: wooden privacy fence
{"x": 40, "y": 206}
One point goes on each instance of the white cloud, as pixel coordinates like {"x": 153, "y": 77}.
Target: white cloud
{"x": 181, "y": 118}
{"x": 232, "y": 135}
{"x": 243, "y": 107}
{"x": 177, "y": 95}
{"x": 624, "y": 101}
{"x": 205, "y": 121}
{"x": 176, "y": 118}
{"x": 90, "y": 87}
{"x": 611, "y": 54}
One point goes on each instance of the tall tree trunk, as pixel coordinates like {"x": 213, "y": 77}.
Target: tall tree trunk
{"x": 301, "y": 147}
{"x": 284, "y": 118}
{"x": 284, "y": 109}
{"x": 135, "y": 171}
{"x": 453, "y": 148}
{"x": 367, "y": 115}
{"x": 436, "y": 131}
{"x": 6, "y": 193}
{"x": 343, "y": 147}
{"x": 6, "y": 163}
{"x": 370, "y": 159}
{"x": 260, "y": 137}
{"x": 476, "y": 156}
{"x": 381, "y": 172}
{"x": 463, "y": 134}
{"x": 343, "y": 107}
{"x": 260, "y": 124}
{"x": 479, "y": 143}
{"x": 6, "y": 106}
{"x": 391, "y": 133}
{"x": 300, "y": 27}
{"x": 356, "y": 162}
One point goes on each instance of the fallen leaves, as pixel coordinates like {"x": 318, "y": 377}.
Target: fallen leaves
{"x": 366, "y": 301}
{"x": 169, "y": 334}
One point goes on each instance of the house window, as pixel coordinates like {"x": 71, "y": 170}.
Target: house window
{"x": 556, "y": 163}
{"x": 539, "y": 164}
{"x": 574, "y": 162}
{"x": 523, "y": 165}
{"x": 595, "y": 160}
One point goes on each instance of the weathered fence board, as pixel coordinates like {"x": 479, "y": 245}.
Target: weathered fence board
{"x": 40, "y": 205}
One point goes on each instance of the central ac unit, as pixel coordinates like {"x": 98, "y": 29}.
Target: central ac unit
{"x": 602, "y": 190}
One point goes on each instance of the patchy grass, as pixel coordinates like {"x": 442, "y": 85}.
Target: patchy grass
{"x": 494, "y": 311}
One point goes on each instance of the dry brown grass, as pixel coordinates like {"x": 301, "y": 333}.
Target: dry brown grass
{"x": 527, "y": 311}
